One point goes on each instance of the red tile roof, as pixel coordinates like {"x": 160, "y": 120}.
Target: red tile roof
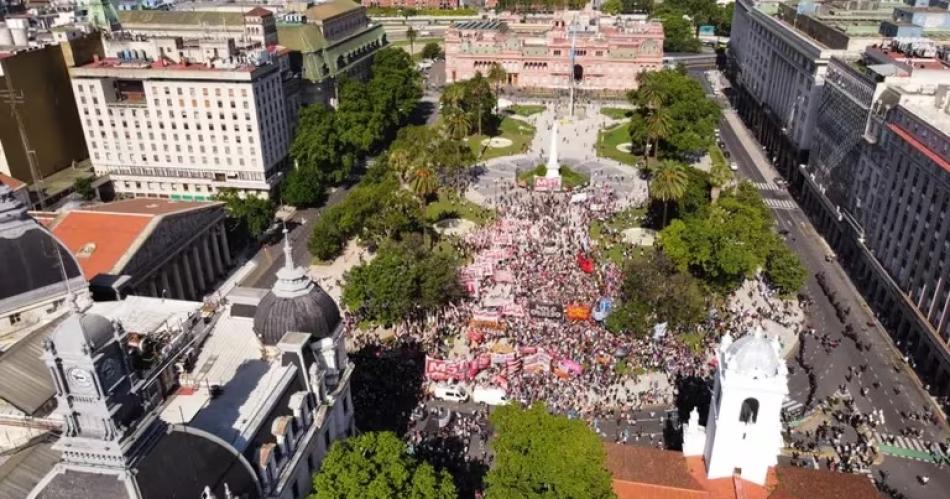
{"x": 11, "y": 182}
{"x": 642, "y": 472}
{"x": 920, "y": 146}
{"x": 101, "y": 235}
{"x": 258, "y": 12}
{"x": 100, "y": 240}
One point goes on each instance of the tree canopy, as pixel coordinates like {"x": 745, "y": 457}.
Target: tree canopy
{"x": 691, "y": 117}
{"x": 403, "y": 277}
{"x": 432, "y": 50}
{"x": 723, "y": 243}
{"x": 538, "y": 454}
{"x": 784, "y": 270}
{"x": 679, "y": 33}
{"x": 473, "y": 97}
{"x": 255, "y": 213}
{"x": 377, "y": 466}
{"x": 654, "y": 291}
{"x": 328, "y": 142}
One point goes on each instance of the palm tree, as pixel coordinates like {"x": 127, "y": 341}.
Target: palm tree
{"x": 457, "y": 124}
{"x": 452, "y": 97}
{"x": 658, "y": 127}
{"x": 423, "y": 181}
{"x": 497, "y": 75}
{"x": 411, "y": 35}
{"x": 668, "y": 184}
{"x": 401, "y": 162}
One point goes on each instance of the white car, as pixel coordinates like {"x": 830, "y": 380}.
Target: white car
{"x": 489, "y": 395}
{"x": 734, "y": 166}
{"x": 450, "y": 393}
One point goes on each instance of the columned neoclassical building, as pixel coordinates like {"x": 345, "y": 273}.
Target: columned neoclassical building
{"x": 156, "y": 247}
{"x": 584, "y": 49}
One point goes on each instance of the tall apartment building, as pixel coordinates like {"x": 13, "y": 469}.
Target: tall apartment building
{"x": 183, "y": 118}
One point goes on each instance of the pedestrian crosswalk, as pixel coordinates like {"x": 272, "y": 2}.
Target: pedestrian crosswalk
{"x": 766, "y": 186}
{"x": 900, "y": 442}
{"x": 780, "y": 204}
{"x": 793, "y": 408}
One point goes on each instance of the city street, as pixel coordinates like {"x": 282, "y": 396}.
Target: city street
{"x": 898, "y": 389}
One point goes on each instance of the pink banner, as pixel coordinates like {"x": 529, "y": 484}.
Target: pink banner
{"x": 570, "y": 366}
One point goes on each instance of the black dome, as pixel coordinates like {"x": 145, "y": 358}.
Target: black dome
{"x": 314, "y": 313}
{"x": 180, "y": 465}
{"x": 30, "y": 266}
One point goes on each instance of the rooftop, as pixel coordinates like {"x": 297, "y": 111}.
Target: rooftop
{"x": 11, "y": 182}
{"x": 663, "y": 474}
{"x": 129, "y": 223}
{"x": 330, "y": 9}
{"x": 231, "y": 358}
{"x": 180, "y": 17}
{"x": 145, "y": 315}
{"x": 164, "y": 64}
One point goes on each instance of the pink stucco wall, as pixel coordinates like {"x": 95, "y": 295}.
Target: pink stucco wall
{"x": 610, "y": 55}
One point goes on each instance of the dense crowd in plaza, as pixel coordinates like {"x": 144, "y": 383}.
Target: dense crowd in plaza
{"x": 535, "y": 245}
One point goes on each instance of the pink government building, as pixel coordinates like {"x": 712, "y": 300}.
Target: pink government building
{"x": 610, "y": 51}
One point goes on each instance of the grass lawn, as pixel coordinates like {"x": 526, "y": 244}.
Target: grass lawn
{"x": 609, "y": 139}
{"x": 526, "y": 109}
{"x": 569, "y": 178}
{"x": 616, "y": 113}
{"x": 626, "y": 219}
{"x": 416, "y": 45}
{"x": 693, "y": 340}
{"x": 451, "y": 206}
{"x": 518, "y": 132}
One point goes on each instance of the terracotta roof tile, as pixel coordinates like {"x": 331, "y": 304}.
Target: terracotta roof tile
{"x": 11, "y": 182}
{"x": 99, "y": 240}
{"x": 803, "y": 483}
{"x": 647, "y": 465}
{"x": 148, "y": 206}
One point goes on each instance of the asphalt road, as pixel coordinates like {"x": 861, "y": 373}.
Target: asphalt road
{"x": 885, "y": 365}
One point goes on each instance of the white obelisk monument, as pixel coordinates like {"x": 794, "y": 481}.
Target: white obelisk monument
{"x": 553, "y": 168}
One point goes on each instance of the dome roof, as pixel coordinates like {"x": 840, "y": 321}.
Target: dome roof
{"x": 295, "y": 304}
{"x": 30, "y": 266}
{"x": 184, "y": 462}
{"x": 79, "y": 329}
{"x": 753, "y": 355}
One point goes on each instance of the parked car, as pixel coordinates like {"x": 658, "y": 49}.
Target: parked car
{"x": 451, "y": 393}
{"x": 489, "y": 395}
{"x": 734, "y": 166}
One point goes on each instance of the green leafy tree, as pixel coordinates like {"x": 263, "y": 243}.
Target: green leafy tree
{"x": 659, "y": 124}
{"x": 255, "y": 213}
{"x": 679, "y": 34}
{"x": 457, "y": 124}
{"x": 541, "y": 455}
{"x": 423, "y": 181}
{"x": 612, "y": 7}
{"x": 654, "y": 291}
{"x": 377, "y": 466}
{"x": 691, "y": 116}
{"x": 319, "y": 149}
{"x": 719, "y": 177}
{"x": 723, "y": 243}
{"x": 303, "y": 187}
{"x": 475, "y": 98}
{"x": 432, "y": 50}
{"x": 403, "y": 278}
{"x": 83, "y": 187}
{"x": 784, "y": 270}
{"x": 668, "y": 184}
